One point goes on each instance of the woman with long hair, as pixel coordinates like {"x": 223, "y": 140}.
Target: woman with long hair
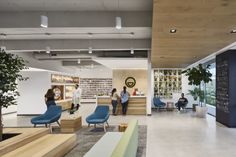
{"x": 114, "y": 100}
{"x": 49, "y": 98}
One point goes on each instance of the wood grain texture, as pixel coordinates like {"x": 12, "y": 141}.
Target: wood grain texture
{"x": 203, "y": 27}
{"x": 51, "y": 145}
{"x": 70, "y": 125}
{"x": 65, "y": 104}
{"x": 136, "y": 106}
{"x": 26, "y": 135}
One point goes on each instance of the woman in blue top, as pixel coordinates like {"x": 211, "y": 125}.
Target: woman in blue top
{"x": 124, "y": 95}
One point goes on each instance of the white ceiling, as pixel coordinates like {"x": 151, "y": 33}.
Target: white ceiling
{"x": 75, "y": 5}
{"x": 123, "y": 63}
{"x": 76, "y": 33}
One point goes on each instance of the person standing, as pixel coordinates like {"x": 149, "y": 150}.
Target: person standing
{"x": 49, "y": 98}
{"x": 76, "y": 97}
{"x": 114, "y": 100}
{"x": 124, "y": 95}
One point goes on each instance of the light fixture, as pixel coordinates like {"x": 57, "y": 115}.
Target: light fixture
{"x": 118, "y": 22}
{"x": 48, "y": 49}
{"x": 132, "y": 51}
{"x": 90, "y": 50}
{"x": 78, "y": 61}
{"x": 2, "y": 35}
{"x": 233, "y": 31}
{"x": 172, "y": 30}
{"x": 44, "y": 21}
{"x": 132, "y": 33}
{"x": 90, "y": 35}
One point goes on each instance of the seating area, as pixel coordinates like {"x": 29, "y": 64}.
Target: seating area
{"x": 117, "y": 144}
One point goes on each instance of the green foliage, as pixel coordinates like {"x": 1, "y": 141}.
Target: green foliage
{"x": 198, "y": 74}
{"x": 10, "y": 67}
{"x": 197, "y": 93}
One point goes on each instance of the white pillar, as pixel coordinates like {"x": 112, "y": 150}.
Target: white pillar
{"x": 149, "y": 84}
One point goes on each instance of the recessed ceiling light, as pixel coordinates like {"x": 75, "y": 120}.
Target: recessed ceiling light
{"x": 132, "y": 33}
{"x": 173, "y": 30}
{"x": 233, "y": 31}
{"x": 78, "y": 61}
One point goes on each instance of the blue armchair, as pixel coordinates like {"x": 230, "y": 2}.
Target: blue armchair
{"x": 158, "y": 103}
{"x": 52, "y": 115}
{"x": 100, "y": 116}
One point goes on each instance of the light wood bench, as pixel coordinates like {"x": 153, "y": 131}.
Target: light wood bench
{"x": 51, "y": 145}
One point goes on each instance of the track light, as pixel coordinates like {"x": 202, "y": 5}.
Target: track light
{"x": 90, "y": 50}
{"x": 44, "y": 21}
{"x": 48, "y": 49}
{"x": 78, "y": 61}
{"x": 118, "y": 23}
{"x": 132, "y": 51}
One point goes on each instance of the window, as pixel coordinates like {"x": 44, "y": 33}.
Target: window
{"x": 211, "y": 87}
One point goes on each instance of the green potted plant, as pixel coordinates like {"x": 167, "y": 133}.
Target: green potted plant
{"x": 196, "y": 93}
{"x": 197, "y": 76}
{"x": 10, "y": 67}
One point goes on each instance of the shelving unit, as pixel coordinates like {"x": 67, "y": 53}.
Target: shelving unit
{"x": 167, "y": 82}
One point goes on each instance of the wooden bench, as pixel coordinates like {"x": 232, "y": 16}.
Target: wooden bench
{"x": 51, "y": 145}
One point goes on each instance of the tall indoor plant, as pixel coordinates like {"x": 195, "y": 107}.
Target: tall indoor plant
{"x": 10, "y": 67}
{"x": 197, "y": 76}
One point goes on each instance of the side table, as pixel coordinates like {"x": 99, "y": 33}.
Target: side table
{"x": 170, "y": 106}
{"x": 71, "y": 124}
{"x": 122, "y": 127}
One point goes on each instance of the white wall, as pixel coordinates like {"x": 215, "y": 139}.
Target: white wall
{"x": 96, "y": 72}
{"x": 32, "y": 91}
{"x": 10, "y": 109}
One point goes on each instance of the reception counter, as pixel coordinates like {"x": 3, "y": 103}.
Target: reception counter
{"x": 136, "y": 106}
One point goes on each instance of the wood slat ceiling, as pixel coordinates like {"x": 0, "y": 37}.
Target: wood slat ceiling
{"x": 203, "y": 27}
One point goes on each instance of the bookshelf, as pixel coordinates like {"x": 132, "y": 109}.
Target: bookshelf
{"x": 167, "y": 82}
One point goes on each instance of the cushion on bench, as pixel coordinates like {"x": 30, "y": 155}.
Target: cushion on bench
{"x": 105, "y": 146}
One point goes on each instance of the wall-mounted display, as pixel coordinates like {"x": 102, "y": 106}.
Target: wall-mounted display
{"x": 59, "y": 91}
{"x": 56, "y": 78}
{"x": 69, "y": 89}
{"x": 167, "y": 82}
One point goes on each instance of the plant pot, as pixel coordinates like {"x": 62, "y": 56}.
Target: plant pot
{"x": 194, "y": 107}
{"x": 201, "y": 111}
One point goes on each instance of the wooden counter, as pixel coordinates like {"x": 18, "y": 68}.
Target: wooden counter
{"x": 136, "y": 106}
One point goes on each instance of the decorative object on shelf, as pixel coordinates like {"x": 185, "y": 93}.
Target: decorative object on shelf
{"x": 58, "y": 91}
{"x": 10, "y": 67}
{"x": 57, "y": 78}
{"x": 130, "y": 82}
{"x": 197, "y": 76}
{"x": 167, "y": 81}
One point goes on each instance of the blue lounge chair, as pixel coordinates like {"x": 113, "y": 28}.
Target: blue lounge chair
{"x": 52, "y": 115}
{"x": 158, "y": 103}
{"x": 100, "y": 116}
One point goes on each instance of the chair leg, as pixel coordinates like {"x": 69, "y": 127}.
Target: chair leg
{"x": 94, "y": 125}
{"x": 88, "y": 125}
{"x": 104, "y": 126}
{"x": 46, "y": 125}
{"x": 107, "y": 124}
{"x": 50, "y": 128}
{"x": 34, "y": 125}
{"x": 58, "y": 123}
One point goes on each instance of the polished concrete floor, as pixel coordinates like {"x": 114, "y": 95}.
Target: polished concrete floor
{"x": 170, "y": 134}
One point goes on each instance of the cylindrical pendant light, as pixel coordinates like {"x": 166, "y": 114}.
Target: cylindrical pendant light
{"x": 44, "y": 21}
{"x": 118, "y": 22}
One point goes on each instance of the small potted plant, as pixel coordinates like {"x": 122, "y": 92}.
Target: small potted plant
{"x": 197, "y": 76}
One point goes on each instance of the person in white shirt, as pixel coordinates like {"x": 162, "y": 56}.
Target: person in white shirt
{"x": 76, "y": 97}
{"x": 114, "y": 100}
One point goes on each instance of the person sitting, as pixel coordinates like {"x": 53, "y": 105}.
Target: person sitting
{"x": 182, "y": 102}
